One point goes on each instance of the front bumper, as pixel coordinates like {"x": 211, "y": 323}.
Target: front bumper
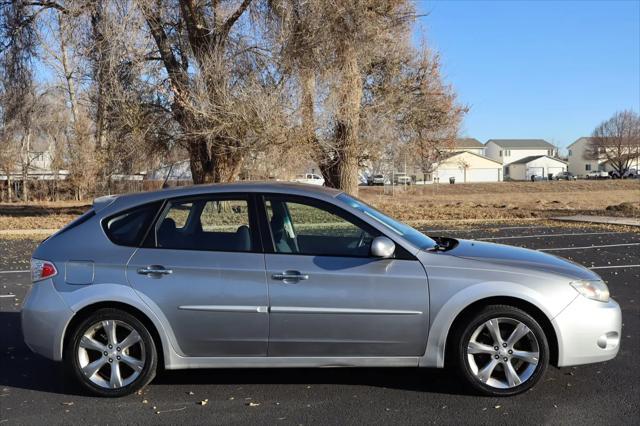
{"x": 588, "y": 331}
{"x": 44, "y": 318}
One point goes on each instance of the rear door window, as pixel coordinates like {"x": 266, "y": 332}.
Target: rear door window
{"x": 212, "y": 223}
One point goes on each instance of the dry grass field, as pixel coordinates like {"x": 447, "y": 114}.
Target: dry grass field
{"x": 507, "y": 200}
{"x": 421, "y": 204}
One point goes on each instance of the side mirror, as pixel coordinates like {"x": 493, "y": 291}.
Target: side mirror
{"x": 382, "y": 247}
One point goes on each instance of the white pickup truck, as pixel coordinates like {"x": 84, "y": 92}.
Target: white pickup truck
{"x": 401, "y": 179}
{"x": 598, "y": 174}
{"x": 310, "y": 179}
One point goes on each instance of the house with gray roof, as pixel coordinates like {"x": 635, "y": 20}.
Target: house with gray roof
{"x": 508, "y": 151}
{"x": 471, "y": 145}
{"x": 581, "y": 163}
{"x": 540, "y": 166}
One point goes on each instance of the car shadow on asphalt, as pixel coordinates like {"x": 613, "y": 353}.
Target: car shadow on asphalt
{"x": 22, "y": 369}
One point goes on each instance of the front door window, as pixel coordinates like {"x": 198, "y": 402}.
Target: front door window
{"x": 308, "y": 228}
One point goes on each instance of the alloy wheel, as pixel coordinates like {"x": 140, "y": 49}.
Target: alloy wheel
{"x": 111, "y": 354}
{"x": 503, "y": 353}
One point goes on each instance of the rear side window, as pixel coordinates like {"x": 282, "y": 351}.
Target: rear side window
{"x": 128, "y": 228}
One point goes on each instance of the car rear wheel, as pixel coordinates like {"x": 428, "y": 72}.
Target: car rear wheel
{"x": 111, "y": 353}
{"x": 501, "y": 351}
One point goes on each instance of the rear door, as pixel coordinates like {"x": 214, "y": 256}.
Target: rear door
{"x": 328, "y": 297}
{"x": 203, "y": 266}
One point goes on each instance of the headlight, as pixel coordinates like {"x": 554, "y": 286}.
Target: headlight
{"x": 595, "y": 290}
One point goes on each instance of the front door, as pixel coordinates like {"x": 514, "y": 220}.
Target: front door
{"x": 205, "y": 272}
{"x": 328, "y": 297}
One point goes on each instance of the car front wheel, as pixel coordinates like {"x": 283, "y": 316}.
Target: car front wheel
{"x": 111, "y": 353}
{"x": 501, "y": 351}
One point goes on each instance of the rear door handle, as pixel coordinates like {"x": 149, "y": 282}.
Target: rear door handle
{"x": 290, "y": 276}
{"x": 155, "y": 270}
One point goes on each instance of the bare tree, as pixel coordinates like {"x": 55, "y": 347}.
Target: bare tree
{"x": 211, "y": 70}
{"x": 433, "y": 115}
{"x": 616, "y": 141}
{"x": 232, "y": 83}
{"x": 18, "y": 92}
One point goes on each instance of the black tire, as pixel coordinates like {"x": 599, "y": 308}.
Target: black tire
{"x": 463, "y": 333}
{"x": 72, "y": 362}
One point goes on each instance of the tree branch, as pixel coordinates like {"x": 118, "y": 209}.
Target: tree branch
{"x": 226, "y": 27}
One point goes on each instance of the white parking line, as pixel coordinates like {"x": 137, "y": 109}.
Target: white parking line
{"x": 484, "y": 229}
{"x": 15, "y": 272}
{"x": 590, "y": 247}
{"x": 548, "y": 235}
{"x": 615, "y": 267}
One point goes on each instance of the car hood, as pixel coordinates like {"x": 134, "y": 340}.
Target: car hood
{"x": 521, "y": 258}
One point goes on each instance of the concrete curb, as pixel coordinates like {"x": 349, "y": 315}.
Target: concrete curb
{"x": 609, "y": 220}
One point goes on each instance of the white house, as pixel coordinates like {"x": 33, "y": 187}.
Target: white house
{"x": 580, "y": 165}
{"x": 471, "y": 145}
{"x": 39, "y": 166}
{"x": 510, "y": 150}
{"x": 465, "y": 166}
{"x": 536, "y": 165}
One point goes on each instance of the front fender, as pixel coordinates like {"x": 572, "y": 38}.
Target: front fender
{"x": 441, "y": 323}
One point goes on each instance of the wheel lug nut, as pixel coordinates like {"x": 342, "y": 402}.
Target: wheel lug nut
{"x": 505, "y": 359}
{"x": 110, "y": 359}
{"x": 110, "y": 346}
{"x": 504, "y": 345}
{"x": 118, "y": 357}
{"x": 497, "y": 356}
{"x": 118, "y": 348}
{"x": 510, "y": 351}
{"x": 105, "y": 353}
{"x": 496, "y": 348}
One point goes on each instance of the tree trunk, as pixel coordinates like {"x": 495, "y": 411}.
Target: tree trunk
{"x": 199, "y": 162}
{"x": 348, "y": 123}
{"x": 308, "y": 93}
{"x": 100, "y": 51}
{"x": 213, "y": 165}
{"x": 25, "y": 166}
{"x": 326, "y": 161}
{"x": 9, "y": 188}
{"x": 68, "y": 75}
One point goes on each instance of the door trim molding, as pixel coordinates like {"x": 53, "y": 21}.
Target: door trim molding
{"x": 346, "y": 311}
{"x": 295, "y": 310}
{"x": 225, "y": 308}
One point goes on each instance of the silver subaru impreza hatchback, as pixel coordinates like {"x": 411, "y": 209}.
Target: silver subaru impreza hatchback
{"x": 288, "y": 275}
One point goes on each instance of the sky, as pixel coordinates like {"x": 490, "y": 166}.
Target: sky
{"x": 536, "y": 69}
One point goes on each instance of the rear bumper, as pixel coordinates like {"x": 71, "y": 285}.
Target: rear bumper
{"x": 44, "y": 318}
{"x": 588, "y": 331}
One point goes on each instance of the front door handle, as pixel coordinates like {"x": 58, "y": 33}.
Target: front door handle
{"x": 290, "y": 276}
{"x": 155, "y": 270}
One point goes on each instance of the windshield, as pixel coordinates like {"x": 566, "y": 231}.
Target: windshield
{"x": 415, "y": 237}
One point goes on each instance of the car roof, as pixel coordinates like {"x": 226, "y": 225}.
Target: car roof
{"x": 133, "y": 199}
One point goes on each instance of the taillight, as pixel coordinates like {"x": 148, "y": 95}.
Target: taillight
{"x": 41, "y": 269}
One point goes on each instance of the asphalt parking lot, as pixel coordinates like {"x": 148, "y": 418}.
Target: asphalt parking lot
{"x": 34, "y": 390}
